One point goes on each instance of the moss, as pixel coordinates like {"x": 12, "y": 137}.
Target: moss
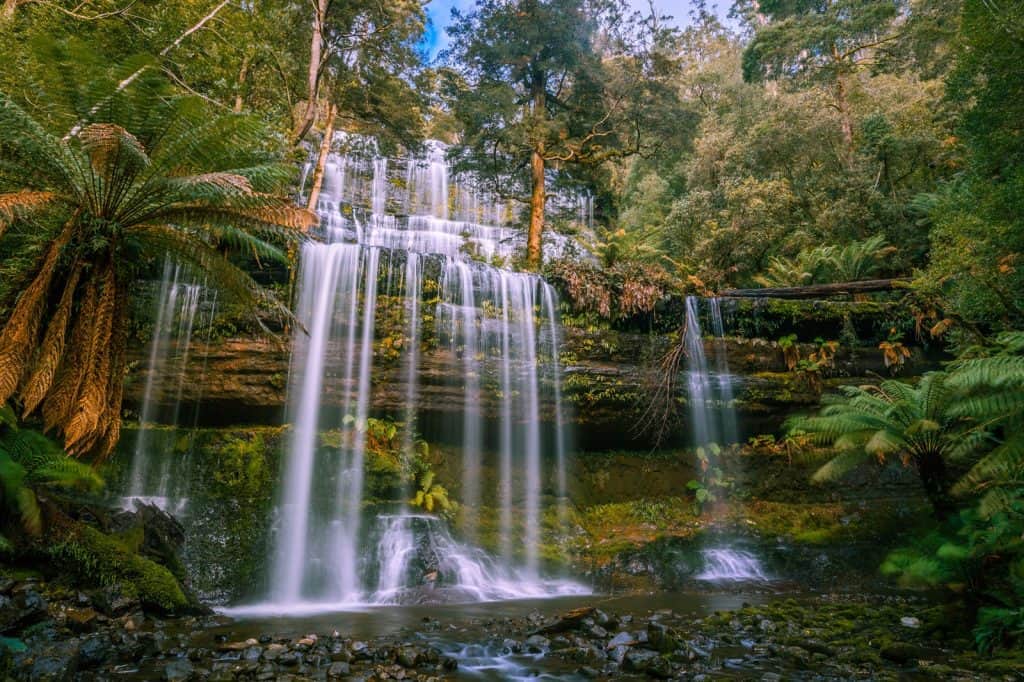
{"x": 240, "y": 467}
{"x": 104, "y": 560}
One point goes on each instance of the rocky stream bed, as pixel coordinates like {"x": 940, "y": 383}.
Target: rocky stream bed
{"x": 55, "y": 633}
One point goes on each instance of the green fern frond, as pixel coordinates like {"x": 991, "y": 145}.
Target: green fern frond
{"x": 839, "y": 466}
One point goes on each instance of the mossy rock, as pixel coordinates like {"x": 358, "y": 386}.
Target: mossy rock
{"x": 104, "y": 560}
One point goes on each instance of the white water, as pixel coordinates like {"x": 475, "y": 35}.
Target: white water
{"x": 730, "y": 565}
{"x": 713, "y": 419}
{"x": 328, "y": 551}
{"x": 156, "y": 474}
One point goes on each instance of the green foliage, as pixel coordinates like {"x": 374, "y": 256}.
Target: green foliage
{"x": 431, "y": 496}
{"x": 29, "y": 461}
{"x": 713, "y": 483}
{"x": 914, "y": 423}
{"x": 102, "y": 560}
{"x": 241, "y": 468}
{"x": 824, "y": 264}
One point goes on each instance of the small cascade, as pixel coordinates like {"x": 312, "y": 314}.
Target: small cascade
{"x": 154, "y": 476}
{"x": 730, "y": 565}
{"x": 709, "y": 387}
{"x": 416, "y": 560}
{"x": 713, "y": 420}
{"x": 495, "y": 327}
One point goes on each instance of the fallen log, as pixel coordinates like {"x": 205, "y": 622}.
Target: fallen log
{"x": 568, "y": 621}
{"x": 819, "y": 290}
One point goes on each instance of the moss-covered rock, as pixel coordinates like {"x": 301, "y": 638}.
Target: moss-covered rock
{"x": 107, "y": 561}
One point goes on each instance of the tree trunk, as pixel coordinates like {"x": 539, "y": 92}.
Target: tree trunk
{"x": 321, "y": 162}
{"x": 537, "y": 201}
{"x": 845, "y": 121}
{"x": 819, "y": 290}
{"x": 538, "y": 197}
{"x": 316, "y": 47}
{"x": 7, "y": 11}
{"x": 243, "y": 75}
{"x": 931, "y": 467}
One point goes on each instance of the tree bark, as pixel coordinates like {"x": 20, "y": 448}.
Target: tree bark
{"x": 8, "y": 9}
{"x": 321, "y": 162}
{"x": 538, "y": 196}
{"x": 931, "y": 467}
{"x": 243, "y": 75}
{"x": 316, "y": 48}
{"x": 845, "y": 121}
{"x": 819, "y": 290}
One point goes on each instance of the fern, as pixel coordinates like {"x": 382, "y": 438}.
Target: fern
{"x": 29, "y": 461}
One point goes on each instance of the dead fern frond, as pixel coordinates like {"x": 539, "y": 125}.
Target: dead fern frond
{"x": 41, "y": 379}
{"x": 14, "y": 205}
{"x": 61, "y": 399}
{"x": 109, "y": 145}
{"x": 18, "y": 337}
{"x": 82, "y": 426}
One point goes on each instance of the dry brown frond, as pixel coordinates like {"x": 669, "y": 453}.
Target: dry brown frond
{"x": 282, "y": 214}
{"x": 40, "y": 380}
{"x": 13, "y": 204}
{"x": 106, "y": 142}
{"x": 111, "y": 430}
{"x": 18, "y": 337}
{"x": 61, "y": 399}
{"x": 81, "y": 429}
{"x": 227, "y": 181}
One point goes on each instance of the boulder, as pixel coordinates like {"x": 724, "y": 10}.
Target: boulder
{"x": 21, "y": 609}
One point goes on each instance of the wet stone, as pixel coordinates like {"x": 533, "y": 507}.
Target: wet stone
{"x": 178, "y": 670}
{"x": 338, "y": 669}
{"x": 536, "y": 644}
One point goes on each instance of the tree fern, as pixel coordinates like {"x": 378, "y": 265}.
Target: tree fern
{"x": 145, "y": 174}
{"x": 991, "y": 382}
{"x": 914, "y": 423}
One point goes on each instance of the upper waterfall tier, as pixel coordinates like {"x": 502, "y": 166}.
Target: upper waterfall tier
{"x": 416, "y": 204}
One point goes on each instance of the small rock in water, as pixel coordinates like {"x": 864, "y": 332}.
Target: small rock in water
{"x": 408, "y": 657}
{"x": 178, "y": 670}
{"x": 621, "y": 639}
{"x": 339, "y": 669}
{"x": 537, "y": 644}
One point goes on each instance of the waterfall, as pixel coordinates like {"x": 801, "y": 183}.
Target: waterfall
{"x": 713, "y": 419}
{"x": 155, "y": 473}
{"x": 709, "y": 393}
{"x": 331, "y": 546}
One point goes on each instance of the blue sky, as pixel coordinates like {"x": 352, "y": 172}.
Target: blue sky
{"x": 440, "y": 12}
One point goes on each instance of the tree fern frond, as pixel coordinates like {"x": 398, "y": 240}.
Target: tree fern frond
{"x": 1006, "y": 462}
{"x": 839, "y": 466}
{"x": 108, "y": 145}
{"x": 15, "y": 205}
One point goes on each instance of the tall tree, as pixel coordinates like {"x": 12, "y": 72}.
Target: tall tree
{"x": 542, "y": 84}
{"x": 819, "y": 42}
{"x": 362, "y": 57}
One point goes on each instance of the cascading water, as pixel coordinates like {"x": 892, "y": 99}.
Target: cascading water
{"x": 731, "y": 565}
{"x": 328, "y": 551}
{"x": 154, "y": 477}
{"x": 713, "y": 420}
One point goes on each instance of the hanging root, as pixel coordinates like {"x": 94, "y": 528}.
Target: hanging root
{"x": 660, "y": 413}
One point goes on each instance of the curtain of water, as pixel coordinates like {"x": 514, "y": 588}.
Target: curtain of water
{"x": 325, "y": 551}
{"x": 155, "y": 463}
